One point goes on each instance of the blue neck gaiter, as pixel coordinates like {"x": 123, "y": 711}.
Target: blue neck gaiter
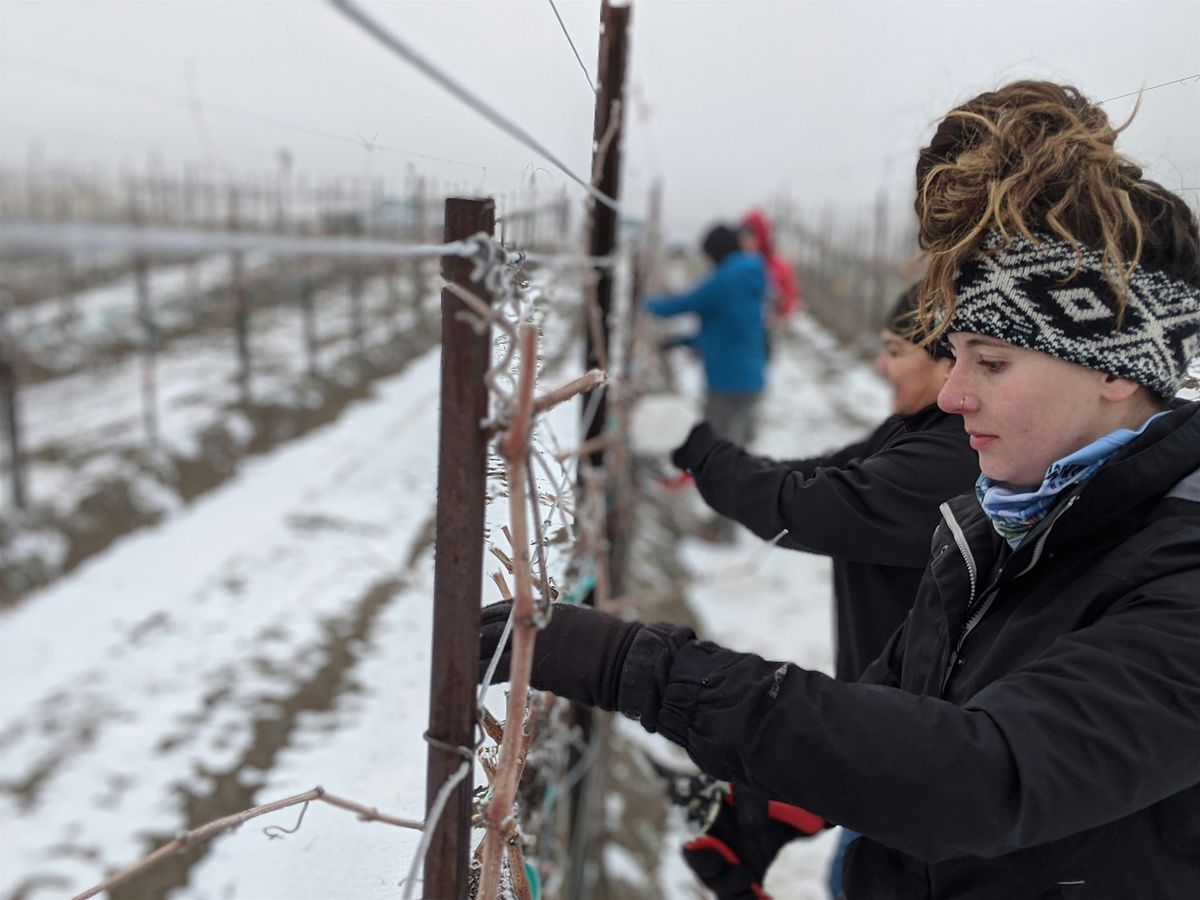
{"x": 1015, "y": 511}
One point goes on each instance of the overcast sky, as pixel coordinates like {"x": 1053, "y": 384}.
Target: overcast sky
{"x": 731, "y": 102}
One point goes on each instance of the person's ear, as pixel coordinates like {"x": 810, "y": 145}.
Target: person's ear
{"x": 1116, "y": 389}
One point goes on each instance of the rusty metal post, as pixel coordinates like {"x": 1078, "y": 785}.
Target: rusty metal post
{"x": 587, "y": 796}
{"x": 241, "y": 308}
{"x": 458, "y": 568}
{"x": 606, "y": 168}
{"x": 149, "y": 333}
{"x": 358, "y": 328}
{"x": 241, "y": 328}
{"x": 145, "y": 318}
{"x": 9, "y": 395}
{"x": 309, "y": 322}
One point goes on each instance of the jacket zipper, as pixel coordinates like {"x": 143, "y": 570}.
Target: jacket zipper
{"x": 963, "y": 548}
{"x": 965, "y": 551}
{"x": 975, "y": 615}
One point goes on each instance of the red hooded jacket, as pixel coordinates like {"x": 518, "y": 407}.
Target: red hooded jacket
{"x": 779, "y": 270}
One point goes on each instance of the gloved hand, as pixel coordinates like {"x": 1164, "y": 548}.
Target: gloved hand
{"x": 733, "y": 854}
{"x": 691, "y": 452}
{"x": 578, "y": 655}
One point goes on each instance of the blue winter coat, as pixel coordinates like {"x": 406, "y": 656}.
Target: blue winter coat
{"x": 732, "y": 338}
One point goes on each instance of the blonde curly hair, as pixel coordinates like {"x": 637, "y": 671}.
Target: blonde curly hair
{"x": 1038, "y": 158}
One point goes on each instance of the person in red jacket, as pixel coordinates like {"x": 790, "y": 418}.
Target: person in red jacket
{"x": 783, "y": 297}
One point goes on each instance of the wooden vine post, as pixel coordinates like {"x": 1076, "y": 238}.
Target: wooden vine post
{"x": 458, "y": 570}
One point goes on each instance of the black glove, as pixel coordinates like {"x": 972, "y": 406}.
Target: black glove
{"x": 691, "y": 453}
{"x": 578, "y": 655}
{"x": 733, "y": 854}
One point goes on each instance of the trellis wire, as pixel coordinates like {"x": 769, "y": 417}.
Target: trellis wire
{"x": 91, "y": 80}
{"x": 29, "y": 236}
{"x": 1186, "y": 78}
{"x": 431, "y": 820}
{"x": 450, "y": 84}
{"x": 22, "y": 235}
{"x": 567, "y": 35}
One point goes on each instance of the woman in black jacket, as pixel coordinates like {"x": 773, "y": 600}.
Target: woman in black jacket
{"x": 1033, "y": 728}
{"x": 871, "y": 505}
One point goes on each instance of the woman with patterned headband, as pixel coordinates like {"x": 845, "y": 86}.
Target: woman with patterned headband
{"x": 1033, "y": 728}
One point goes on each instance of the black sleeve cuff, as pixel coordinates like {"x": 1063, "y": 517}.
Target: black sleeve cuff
{"x": 690, "y": 454}
{"x": 646, "y": 669}
{"x": 689, "y": 674}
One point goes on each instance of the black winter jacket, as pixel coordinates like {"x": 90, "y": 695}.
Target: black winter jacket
{"x": 870, "y": 506}
{"x": 1032, "y": 730}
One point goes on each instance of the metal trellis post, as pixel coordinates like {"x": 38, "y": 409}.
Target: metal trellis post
{"x": 9, "y": 391}
{"x": 458, "y": 571}
{"x": 149, "y": 353}
{"x": 241, "y": 309}
{"x": 587, "y": 797}
{"x": 607, "y": 150}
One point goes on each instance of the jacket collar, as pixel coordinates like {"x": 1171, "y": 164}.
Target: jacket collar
{"x": 1124, "y": 491}
{"x": 1118, "y": 497}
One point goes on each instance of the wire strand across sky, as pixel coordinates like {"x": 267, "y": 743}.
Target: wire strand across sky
{"x": 505, "y": 124}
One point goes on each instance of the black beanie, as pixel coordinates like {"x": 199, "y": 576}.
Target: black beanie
{"x": 719, "y": 243}
{"x": 902, "y": 319}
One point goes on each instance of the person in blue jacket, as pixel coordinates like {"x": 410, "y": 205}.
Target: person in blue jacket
{"x": 732, "y": 337}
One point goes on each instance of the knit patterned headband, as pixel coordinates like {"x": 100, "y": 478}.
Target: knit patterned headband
{"x": 1025, "y": 294}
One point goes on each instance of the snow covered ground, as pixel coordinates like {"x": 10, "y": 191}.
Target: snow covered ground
{"x": 86, "y": 446}
{"x": 70, "y": 418}
{"x": 110, "y": 309}
{"x": 274, "y": 634}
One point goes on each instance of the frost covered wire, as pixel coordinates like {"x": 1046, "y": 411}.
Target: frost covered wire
{"x": 20, "y": 236}
{"x": 570, "y": 259}
{"x": 541, "y": 606}
{"x": 583, "y": 765}
{"x": 567, "y": 35}
{"x": 94, "y": 81}
{"x": 435, "y": 813}
{"x": 1193, "y": 79}
{"x": 590, "y": 411}
{"x": 483, "y": 313}
{"x": 495, "y": 661}
{"x": 562, "y": 481}
{"x": 502, "y": 122}
{"x": 497, "y": 270}
{"x": 25, "y": 236}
